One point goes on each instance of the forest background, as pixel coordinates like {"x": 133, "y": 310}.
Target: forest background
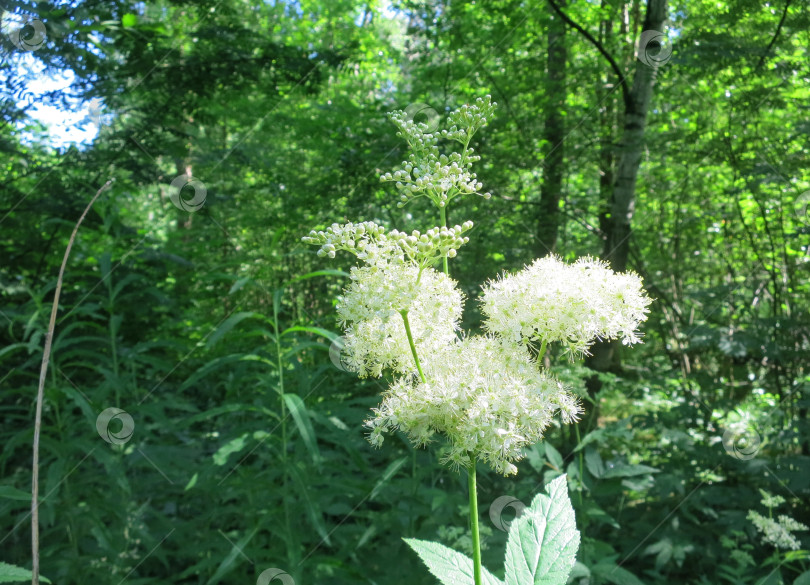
{"x": 668, "y": 138}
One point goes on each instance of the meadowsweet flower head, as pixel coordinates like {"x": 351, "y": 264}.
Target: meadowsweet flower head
{"x": 371, "y": 312}
{"x": 777, "y": 533}
{"x": 433, "y": 175}
{"x": 486, "y": 396}
{"x": 574, "y": 304}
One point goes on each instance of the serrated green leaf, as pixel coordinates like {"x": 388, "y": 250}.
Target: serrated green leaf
{"x": 448, "y": 566}
{"x": 13, "y": 574}
{"x": 543, "y": 542}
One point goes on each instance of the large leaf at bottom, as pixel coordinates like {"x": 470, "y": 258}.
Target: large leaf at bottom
{"x": 543, "y": 542}
{"x": 12, "y": 574}
{"x": 448, "y": 566}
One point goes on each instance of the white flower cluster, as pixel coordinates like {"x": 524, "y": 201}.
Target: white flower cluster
{"x": 434, "y": 175}
{"x": 486, "y": 395}
{"x": 371, "y": 313}
{"x": 369, "y": 242}
{"x": 777, "y": 533}
{"x": 574, "y": 304}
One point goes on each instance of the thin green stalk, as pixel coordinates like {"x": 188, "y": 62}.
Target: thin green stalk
{"x": 413, "y": 347}
{"x": 581, "y": 460}
{"x": 476, "y": 538}
{"x": 280, "y": 365}
{"x": 443, "y": 212}
{"x": 542, "y": 351}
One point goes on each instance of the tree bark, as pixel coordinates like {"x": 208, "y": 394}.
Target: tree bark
{"x": 623, "y": 199}
{"x": 617, "y": 219}
{"x": 548, "y": 218}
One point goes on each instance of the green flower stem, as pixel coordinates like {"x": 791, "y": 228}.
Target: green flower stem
{"x": 581, "y": 464}
{"x": 443, "y": 212}
{"x": 542, "y": 352}
{"x": 413, "y": 347}
{"x": 476, "y": 538}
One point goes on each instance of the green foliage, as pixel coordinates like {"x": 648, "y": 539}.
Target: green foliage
{"x": 541, "y": 549}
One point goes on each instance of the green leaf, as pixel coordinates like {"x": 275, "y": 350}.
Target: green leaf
{"x": 389, "y": 472}
{"x": 594, "y": 463}
{"x": 129, "y": 20}
{"x": 612, "y": 573}
{"x": 328, "y": 272}
{"x": 226, "y": 326}
{"x": 12, "y": 493}
{"x": 301, "y": 417}
{"x": 543, "y": 542}
{"x": 448, "y": 566}
{"x": 803, "y": 579}
{"x": 12, "y": 574}
{"x": 554, "y": 457}
{"x": 620, "y": 470}
{"x": 229, "y": 562}
{"x": 192, "y": 482}
{"x": 239, "y": 284}
{"x": 313, "y": 509}
{"x": 232, "y": 446}
{"x": 316, "y": 330}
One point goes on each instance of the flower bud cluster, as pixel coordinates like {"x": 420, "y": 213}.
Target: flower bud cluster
{"x": 426, "y": 249}
{"x": 431, "y": 174}
{"x": 366, "y": 240}
{"x": 369, "y": 242}
{"x": 467, "y": 120}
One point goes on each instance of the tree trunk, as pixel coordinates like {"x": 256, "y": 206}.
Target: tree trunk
{"x": 623, "y": 199}
{"x": 548, "y": 218}
{"x": 616, "y": 222}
